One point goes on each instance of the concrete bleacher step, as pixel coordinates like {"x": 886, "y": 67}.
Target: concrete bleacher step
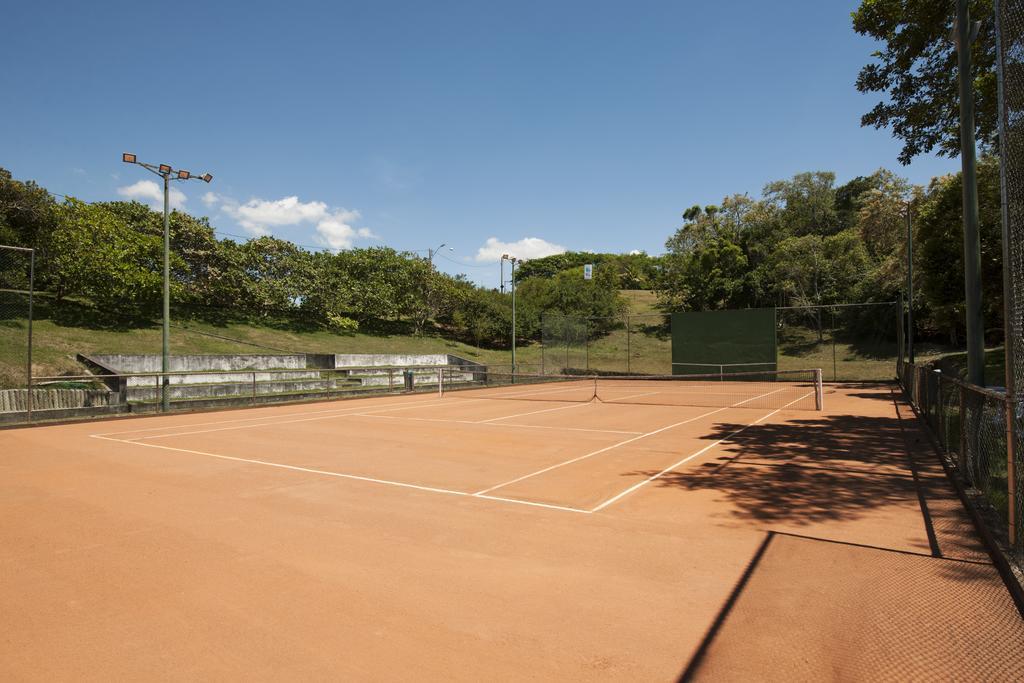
{"x": 235, "y": 389}
{"x": 229, "y": 377}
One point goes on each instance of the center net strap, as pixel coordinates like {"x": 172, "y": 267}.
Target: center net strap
{"x": 797, "y": 389}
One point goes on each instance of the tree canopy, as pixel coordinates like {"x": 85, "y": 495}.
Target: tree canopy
{"x": 916, "y": 72}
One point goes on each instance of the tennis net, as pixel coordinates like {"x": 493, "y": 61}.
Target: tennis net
{"x": 797, "y": 389}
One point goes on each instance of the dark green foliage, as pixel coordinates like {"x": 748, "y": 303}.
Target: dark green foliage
{"x": 916, "y": 72}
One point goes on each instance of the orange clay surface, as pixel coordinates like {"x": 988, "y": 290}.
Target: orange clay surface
{"x": 418, "y": 537}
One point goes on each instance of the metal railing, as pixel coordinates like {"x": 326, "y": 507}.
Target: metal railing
{"x": 213, "y": 389}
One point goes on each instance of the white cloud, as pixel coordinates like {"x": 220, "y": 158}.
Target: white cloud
{"x": 148, "y": 192}
{"x": 334, "y": 227}
{"x": 526, "y": 248}
{"x": 337, "y": 232}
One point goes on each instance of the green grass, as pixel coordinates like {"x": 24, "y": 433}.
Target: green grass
{"x": 62, "y": 333}
{"x": 58, "y": 338}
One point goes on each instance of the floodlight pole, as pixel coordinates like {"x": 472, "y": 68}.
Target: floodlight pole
{"x": 910, "y": 287}
{"x": 512, "y": 261}
{"x": 165, "y": 347}
{"x": 430, "y": 273}
{"x": 964, "y": 33}
{"x": 167, "y": 173}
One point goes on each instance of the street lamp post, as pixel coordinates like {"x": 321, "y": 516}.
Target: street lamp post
{"x": 168, "y": 174}
{"x": 430, "y": 273}
{"x": 512, "y": 260}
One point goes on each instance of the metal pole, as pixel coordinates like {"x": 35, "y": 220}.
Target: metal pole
{"x": 586, "y": 342}
{"x": 835, "y": 372}
{"x": 899, "y": 339}
{"x": 1009, "y": 303}
{"x": 254, "y": 388}
{"x": 910, "y": 288}
{"x": 31, "y": 290}
{"x": 972, "y": 249}
{"x": 502, "y": 262}
{"x": 513, "y": 272}
{"x": 628, "y": 354}
{"x": 166, "y": 350}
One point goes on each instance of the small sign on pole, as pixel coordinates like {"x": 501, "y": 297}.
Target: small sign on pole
{"x": 588, "y": 271}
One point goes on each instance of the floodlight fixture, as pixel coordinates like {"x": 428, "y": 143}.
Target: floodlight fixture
{"x": 128, "y": 158}
{"x": 165, "y": 169}
{"x": 183, "y": 175}
{"x": 206, "y": 177}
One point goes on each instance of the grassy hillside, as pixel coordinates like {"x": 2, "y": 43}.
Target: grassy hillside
{"x": 60, "y": 333}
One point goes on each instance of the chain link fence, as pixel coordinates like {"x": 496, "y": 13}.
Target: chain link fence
{"x": 969, "y": 423}
{"x": 1010, "y": 74}
{"x": 627, "y": 344}
{"x": 16, "y": 284}
{"x": 852, "y": 342}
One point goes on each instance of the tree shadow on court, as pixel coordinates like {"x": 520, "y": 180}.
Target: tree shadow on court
{"x": 821, "y": 469}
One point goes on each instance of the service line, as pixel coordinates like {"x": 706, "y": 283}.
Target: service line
{"x": 648, "y": 480}
{"x": 373, "y": 411}
{"x": 342, "y": 475}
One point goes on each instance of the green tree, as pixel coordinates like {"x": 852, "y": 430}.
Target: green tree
{"x": 916, "y": 71}
{"x": 806, "y": 203}
{"x": 709, "y": 276}
{"x": 938, "y": 263}
{"x": 92, "y": 253}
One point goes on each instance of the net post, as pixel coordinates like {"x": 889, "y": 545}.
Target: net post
{"x": 819, "y": 394}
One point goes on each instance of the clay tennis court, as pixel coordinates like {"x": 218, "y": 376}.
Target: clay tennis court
{"x": 499, "y": 533}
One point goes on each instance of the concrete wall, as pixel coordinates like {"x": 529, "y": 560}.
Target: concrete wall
{"x": 122, "y": 363}
{"x": 348, "y": 360}
{"x": 16, "y": 400}
{"x": 186, "y": 391}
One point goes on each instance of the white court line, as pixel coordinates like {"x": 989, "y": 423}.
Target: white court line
{"x": 269, "y": 416}
{"x": 623, "y": 443}
{"x": 341, "y": 475}
{"x": 634, "y": 487}
{"x": 283, "y": 422}
{"x": 497, "y": 424}
{"x": 534, "y": 412}
{"x": 546, "y": 390}
{"x": 550, "y": 410}
{"x": 597, "y": 452}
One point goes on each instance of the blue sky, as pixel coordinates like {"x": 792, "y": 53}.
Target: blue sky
{"x": 579, "y": 125}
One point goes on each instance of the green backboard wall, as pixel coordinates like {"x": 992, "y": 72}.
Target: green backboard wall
{"x": 723, "y": 341}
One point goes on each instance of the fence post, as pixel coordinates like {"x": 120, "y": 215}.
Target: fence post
{"x": 586, "y": 336}
{"x": 1011, "y": 467}
{"x": 629, "y": 355}
{"x": 440, "y": 382}
{"x": 962, "y": 456}
{"x": 254, "y": 387}
{"x": 31, "y": 290}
